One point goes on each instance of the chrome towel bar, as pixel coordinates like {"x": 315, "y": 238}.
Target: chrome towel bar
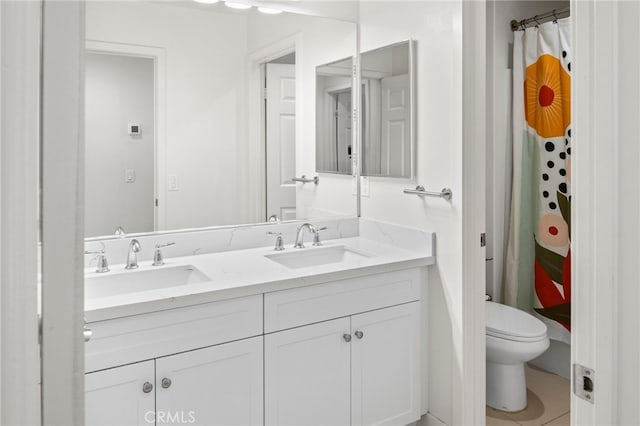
{"x": 446, "y": 193}
{"x": 304, "y": 179}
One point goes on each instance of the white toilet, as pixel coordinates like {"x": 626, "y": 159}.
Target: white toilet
{"x": 513, "y": 338}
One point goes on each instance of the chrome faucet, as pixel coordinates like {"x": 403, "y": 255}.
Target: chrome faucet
{"x": 132, "y": 257}
{"x": 158, "y": 258}
{"x": 103, "y": 265}
{"x": 299, "y": 243}
{"x": 316, "y": 236}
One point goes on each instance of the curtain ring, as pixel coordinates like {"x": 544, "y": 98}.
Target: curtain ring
{"x": 535, "y": 18}
{"x": 555, "y": 17}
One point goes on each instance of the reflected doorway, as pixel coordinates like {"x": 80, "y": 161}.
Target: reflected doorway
{"x": 119, "y": 143}
{"x": 280, "y": 137}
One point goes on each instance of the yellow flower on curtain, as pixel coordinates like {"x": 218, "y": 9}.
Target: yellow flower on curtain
{"x": 547, "y": 94}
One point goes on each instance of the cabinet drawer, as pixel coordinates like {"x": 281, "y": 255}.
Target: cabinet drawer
{"x": 131, "y": 339}
{"x": 300, "y": 306}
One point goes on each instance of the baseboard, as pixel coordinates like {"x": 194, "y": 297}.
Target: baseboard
{"x": 429, "y": 420}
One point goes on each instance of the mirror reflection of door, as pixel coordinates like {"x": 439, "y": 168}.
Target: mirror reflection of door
{"x": 119, "y": 143}
{"x": 342, "y": 129}
{"x": 386, "y": 111}
{"x": 280, "y": 137}
{"x": 334, "y": 106}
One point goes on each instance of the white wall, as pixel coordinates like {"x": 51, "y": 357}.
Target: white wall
{"x": 499, "y": 127}
{"x": 119, "y": 90}
{"x": 205, "y": 100}
{"x": 437, "y": 29}
{"x": 320, "y": 41}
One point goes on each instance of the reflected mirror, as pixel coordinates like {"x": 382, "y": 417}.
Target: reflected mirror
{"x": 199, "y": 115}
{"x": 334, "y": 133}
{"x": 387, "y": 110}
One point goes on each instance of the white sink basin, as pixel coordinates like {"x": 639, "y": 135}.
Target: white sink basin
{"x": 110, "y": 284}
{"x": 316, "y": 256}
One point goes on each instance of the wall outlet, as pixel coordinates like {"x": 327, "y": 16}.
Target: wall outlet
{"x": 173, "y": 183}
{"x": 129, "y": 176}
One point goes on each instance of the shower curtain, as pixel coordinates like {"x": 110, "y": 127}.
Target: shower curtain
{"x": 538, "y": 262}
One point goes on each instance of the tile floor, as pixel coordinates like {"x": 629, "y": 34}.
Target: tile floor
{"x": 547, "y": 402}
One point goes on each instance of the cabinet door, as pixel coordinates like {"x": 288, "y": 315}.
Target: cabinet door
{"x": 385, "y": 367}
{"x": 120, "y": 396}
{"x": 219, "y": 385}
{"x": 307, "y": 375}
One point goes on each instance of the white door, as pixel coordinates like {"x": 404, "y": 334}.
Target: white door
{"x": 385, "y": 369}
{"x": 396, "y": 131}
{"x": 219, "y": 385}
{"x": 120, "y": 396}
{"x": 342, "y": 116}
{"x": 281, "y": 140}
{"x": 307, "y": 375}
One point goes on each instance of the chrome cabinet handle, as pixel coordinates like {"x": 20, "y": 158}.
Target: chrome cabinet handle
{"x": 147, "y": 387}
{"x": 346, "y": 337}
{"x": 87, "y": 333}
{"x": 166, "y": 383}
{"x": 359, "y": 334}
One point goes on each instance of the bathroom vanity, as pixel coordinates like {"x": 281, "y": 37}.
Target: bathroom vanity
{"x": 331, "y": 335}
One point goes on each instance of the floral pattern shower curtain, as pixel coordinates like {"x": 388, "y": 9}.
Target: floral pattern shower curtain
{"x": 538, "y": 266}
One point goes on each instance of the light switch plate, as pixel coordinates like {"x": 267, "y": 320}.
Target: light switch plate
{"x": 129, "y": 176}
{"x": 364, "y": 186}
{"x": 173, "y": 183}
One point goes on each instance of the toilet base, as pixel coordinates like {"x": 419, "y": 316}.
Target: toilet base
{"x": 506, "y": 386}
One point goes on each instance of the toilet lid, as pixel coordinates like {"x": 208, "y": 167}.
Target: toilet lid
{"x": 507, "y": 322}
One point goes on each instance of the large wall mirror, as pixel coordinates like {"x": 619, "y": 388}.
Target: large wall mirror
{"x": 388, "y": 110}
{"x": 201, "y": 115}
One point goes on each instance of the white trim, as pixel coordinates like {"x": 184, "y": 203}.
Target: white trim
{"x": 62, "y": 162}
{"x": 158, "y": 55}
{"x": 20, "y": 33}
{"x": 470, "y": 407}
{"x": 256, "y": 143}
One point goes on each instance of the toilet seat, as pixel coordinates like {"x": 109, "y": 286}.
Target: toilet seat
{"x": 505, "y": 322}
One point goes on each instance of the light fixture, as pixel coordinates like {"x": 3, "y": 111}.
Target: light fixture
{"x": 236, "y": 5}
{"x": 269, "y": 11}
{"x": 207, "y": 1}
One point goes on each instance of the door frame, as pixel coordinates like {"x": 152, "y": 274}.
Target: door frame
{"x": 157, "y": 54}
{"x": 257, "y": 138}
{"x": 62, "y": 212}
{"x": 20, "y": 367}
{"x": 469, "y": 384}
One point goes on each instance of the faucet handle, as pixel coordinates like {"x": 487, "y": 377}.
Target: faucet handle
{"x": 316, "y": 235}
{"x": 103, "y": 265}
{"x": 157, "y": 255}
{"x": 170, "y": 243}
{"x": 279, "y": 242}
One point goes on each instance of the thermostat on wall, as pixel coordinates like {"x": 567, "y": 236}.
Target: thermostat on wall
{"x": 134, "y": 129}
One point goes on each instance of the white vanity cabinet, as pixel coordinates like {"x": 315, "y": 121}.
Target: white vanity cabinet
{"x": 203, "y": 365}
{"x": 307, "y": 375}
{"x": 385, "y": 366}
{"x": 120, "y": 396}
{"x": 338, "y": 353}
{"x": 360, "y": 369}
{"x": 219, "y": 385}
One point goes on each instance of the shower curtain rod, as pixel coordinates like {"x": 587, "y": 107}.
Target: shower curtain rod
{"x": 539, "y": 19}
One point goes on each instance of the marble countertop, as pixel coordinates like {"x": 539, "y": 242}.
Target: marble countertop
{"x": 248, "y": 272}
